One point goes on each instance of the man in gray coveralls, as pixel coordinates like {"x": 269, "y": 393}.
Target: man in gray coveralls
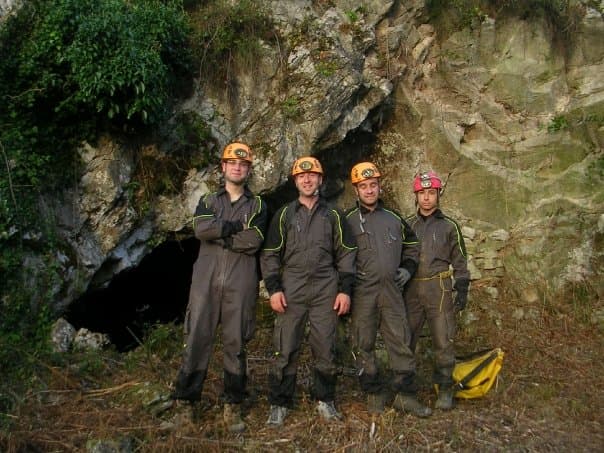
{"x": 230, "y": 224}
{"x": 308, "y": 268}
{"x": 387, "y": 256}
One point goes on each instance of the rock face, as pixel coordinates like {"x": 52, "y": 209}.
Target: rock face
{"x": 510, "y": 117}
{"x": 7, "y": 6}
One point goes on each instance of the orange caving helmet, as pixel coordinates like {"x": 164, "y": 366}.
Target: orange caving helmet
{"x": 364, "y": 170}
{"x": 307, "y": 165}
{"x": 237, "y": 150}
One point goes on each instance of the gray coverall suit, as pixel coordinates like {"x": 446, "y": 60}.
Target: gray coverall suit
{"x": 385, "y": 243}
{"x": 428, "y": 296}
{"x": 224, "y": 289}
{"x": 309, "y": 255}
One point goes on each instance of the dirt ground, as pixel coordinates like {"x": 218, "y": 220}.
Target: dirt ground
{"x": 549, "y": 397}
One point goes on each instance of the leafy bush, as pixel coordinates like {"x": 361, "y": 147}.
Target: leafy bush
{"x": 558, "y": 123}
{"x": 124, "y": 57}
{"x": 227, "y": 34}
{"x": 71, "y": 67}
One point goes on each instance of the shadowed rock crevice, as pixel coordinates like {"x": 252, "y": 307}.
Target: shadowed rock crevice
{"x": 156, "y": 291}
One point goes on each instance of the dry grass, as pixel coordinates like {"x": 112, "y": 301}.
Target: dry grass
{"x": 549, "y": 397}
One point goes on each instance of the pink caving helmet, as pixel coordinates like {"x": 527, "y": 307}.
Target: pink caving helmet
{"x": 427, "y": 180}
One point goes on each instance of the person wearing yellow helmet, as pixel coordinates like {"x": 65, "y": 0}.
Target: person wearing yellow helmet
{"x": 428, "y": 295}
{"x": 230, "y": 225}
{"x": 308, "y": 266}
{"x": 387, "y": 256}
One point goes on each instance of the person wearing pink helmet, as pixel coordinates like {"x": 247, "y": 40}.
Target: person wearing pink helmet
{"x": 429, "y": 294}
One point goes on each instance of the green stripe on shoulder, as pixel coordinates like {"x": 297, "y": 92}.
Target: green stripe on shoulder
{"x": 460, "y": 241}
{"x": 281, "y": 233}
{"x": 351, "y": 211}
{"x": 340, "y": 232}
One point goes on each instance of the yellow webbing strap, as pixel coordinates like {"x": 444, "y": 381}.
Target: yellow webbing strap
{"x": 441, "y": 276}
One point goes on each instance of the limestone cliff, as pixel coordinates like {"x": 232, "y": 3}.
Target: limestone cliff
{"x": 509, "y": 113}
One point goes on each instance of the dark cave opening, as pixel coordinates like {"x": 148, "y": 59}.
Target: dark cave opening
{"x": 156, "y": 291}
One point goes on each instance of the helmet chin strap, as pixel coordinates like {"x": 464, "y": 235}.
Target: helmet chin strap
{"x": 361, "y": 218}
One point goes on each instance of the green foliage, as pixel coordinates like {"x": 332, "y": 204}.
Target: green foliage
{"x": 326, "y": 68}
{"x": 455, "y": 15}
{"x": 352, "y": 16}
{"x": 162, "y": 343}
{"x": 291, "y": 107}
{"x": 124, "y": 57}
{"x": 558, "y": 123}
{"x": 24, "y": 332}
{"x": 192, "y": 136}
{"x": 227, "y": 35}
{"x": 69, "y": 68}
{"x": 162, "y": 172}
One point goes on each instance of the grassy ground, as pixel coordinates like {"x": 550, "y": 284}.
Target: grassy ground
{"x": 549, "y": 397}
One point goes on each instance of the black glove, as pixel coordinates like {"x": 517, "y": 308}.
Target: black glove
{"x": 230, "y": 228}
{"x": 401, "y": 277}
{"x": 461, "y": 299}
{"x": 227, "y": 242}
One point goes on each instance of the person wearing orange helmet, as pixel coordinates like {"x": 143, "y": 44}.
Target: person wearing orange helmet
{"x": 428, "y": 295}
{"x": 387, "y": 256}
{"x": 307, "y": 263}
{"x": 230, "y": 225}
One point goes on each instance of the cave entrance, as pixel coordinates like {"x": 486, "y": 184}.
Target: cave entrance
{"x": 156, "y": 291}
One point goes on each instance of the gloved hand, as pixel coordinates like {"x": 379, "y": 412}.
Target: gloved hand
{"x": 461, "y": 299}
{"x": 230, "y": 228}
{"x": 401, "y": 277}
{"x": 227, "y": 242}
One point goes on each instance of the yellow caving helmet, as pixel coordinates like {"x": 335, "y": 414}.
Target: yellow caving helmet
{"x": 364, "y": 170}
{"x": 307, "y": 165}
{"x": 237, "y": 150}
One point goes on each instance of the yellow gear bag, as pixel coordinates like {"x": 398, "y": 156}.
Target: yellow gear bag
{"x": 474, "y": 376}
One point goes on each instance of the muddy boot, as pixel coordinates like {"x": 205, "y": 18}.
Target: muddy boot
{"x": 444, "y": 402}
{"x": 327, "y": 410}
{"x": 276, "y": 415}
{"x": 411, "y": 405}
{"x": 232, "y": 418}
{"x": 376, "y": 403}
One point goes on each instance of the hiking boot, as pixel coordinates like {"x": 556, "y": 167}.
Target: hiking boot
{"x": 376, "y": 403}
{"x": 328, "y": 411}
{"x": 276, "y": 415}
{"x": 232, "y": 418}
{"x": 411, "y": 405}
{"x": 444, "y": 401}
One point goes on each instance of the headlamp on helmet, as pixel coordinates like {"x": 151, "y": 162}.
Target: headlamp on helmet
{"x": 307, "y": 165}
{"x": 237, "y": 150}
{"x": 364, "y": 170}
{"x": 427, "y": 180}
